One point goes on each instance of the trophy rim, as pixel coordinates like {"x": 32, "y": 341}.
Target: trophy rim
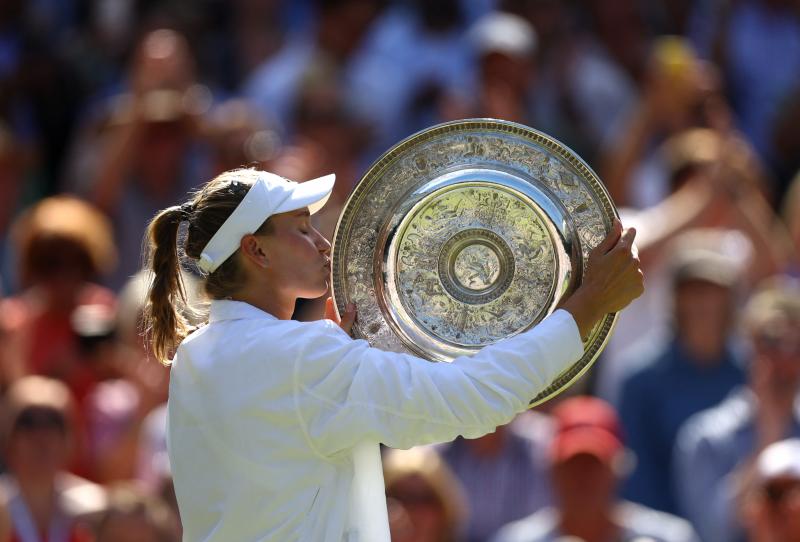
{"x": 601, "y": 332}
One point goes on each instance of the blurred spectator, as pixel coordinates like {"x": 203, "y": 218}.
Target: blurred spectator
{"x": 131, "y": 388}
{"x": 44, "y": 502}
{"x": 94, "y": 327}
{"x": 583, "y": 91}
{"x": 12, "y": 188}
{"x": 132, "y": 516}
{"x": 771, "y": 497}
{"x": 32, "y": 64}
{"x": 588, "y": 462}
{"x": 253, "y": 31}
{"x": 239, "y": 137}
{"x": 340, "y": 28}
{"x": 786, "y": 140}
{"x": 154, "y": 470}
{"x": 5, "y": 522}
{"x": 127, "y": 388}
{"x": 151, "y": 152}
{"x": 714, "y": 186}
{"x": 791, "y": 218}
{"x": 63, "y": 245}
{"x": 741, "y": 38}
{"x": 414, "y": 59}
{"x": 622, "y": 30}
{"x": 669, "y": 16}
{"x": 699, "y": 359}
{"x": 716, "y": 445}
{"x": 679, "y": 92}
{"x": 714, "y": 180}
{"x": 505, "y": 47}
{"x": 424, "y": 499}
{"x": 504, "y": 473}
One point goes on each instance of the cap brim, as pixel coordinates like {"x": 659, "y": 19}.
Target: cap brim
{"x": 312, "y": 194}
{"x": 779, "y": 460}
{"x": 586, "y": 440}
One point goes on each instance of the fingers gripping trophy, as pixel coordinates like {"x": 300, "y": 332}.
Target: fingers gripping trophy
{"x": 486, "y": 264}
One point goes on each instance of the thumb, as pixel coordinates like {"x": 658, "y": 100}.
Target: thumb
{"x": 348, "y": 318}
{"x": 627, "y": 237}
{"x": 611, "y": 238}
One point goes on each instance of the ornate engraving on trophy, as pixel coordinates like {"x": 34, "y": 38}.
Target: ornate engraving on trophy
{"x": 475, "y": 264}
{"x": 476, "y": 267}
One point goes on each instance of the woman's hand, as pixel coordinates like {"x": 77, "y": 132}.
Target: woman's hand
{"x": 347, "y": 319}
{"x": 613, "y": 279}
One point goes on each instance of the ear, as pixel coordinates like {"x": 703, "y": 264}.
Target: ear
{"x": 253, "y": 251}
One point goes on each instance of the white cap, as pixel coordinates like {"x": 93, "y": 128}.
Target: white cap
{"x": 779, "y": 460}
{"x": 271, "y": 194}
{"x": 506, "y": 33}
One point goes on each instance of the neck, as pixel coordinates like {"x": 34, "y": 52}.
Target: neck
{"x": 53, "y": 302}
{"x": 588, "y": 525}
{"x": 490, "y": 445}
{"x": 706, "y": 353}
{"x": 276, "y": 303}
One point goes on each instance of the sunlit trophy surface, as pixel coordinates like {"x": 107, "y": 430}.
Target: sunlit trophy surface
{"x": 467, "y": 233}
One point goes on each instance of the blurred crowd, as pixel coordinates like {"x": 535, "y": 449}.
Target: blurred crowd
{"x": 686, "y": 429}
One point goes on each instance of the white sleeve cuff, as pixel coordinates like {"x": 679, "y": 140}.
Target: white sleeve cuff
{"x": 564, "y": 343}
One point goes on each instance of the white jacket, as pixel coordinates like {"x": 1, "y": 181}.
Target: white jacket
{"x": 263, "y": 414}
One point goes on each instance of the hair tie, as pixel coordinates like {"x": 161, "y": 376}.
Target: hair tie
{"x": 187, "y": 210}
{"x": 239, "y": 188}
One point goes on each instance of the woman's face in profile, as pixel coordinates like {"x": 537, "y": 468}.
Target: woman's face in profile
{"x": 298, "y": 255}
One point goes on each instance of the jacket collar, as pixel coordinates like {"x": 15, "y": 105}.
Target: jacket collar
{"x": 228, "y": 309}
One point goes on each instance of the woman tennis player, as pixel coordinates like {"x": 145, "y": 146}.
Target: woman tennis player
{"x": 264, "y": 411}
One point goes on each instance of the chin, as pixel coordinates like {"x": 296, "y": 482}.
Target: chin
{"x": 313, "y": 293}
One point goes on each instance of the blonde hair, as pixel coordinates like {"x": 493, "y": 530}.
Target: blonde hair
{"x": 774, "y": 304}
{"x": 426, "y": 463}
{"x": 165, "y": 321}
{"x": 63, "y": 219}
{"x": 127, "y": 500}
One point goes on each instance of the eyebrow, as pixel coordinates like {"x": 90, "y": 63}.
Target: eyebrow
{"x": 301, "y": 212}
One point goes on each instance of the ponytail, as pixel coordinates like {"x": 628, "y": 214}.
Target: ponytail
{"x": 165, "y": 324}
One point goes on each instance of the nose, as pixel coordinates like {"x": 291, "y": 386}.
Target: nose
{"x": 323, "y": 245}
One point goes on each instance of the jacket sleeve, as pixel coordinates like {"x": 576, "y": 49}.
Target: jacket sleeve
{"x": 347, "y": 392}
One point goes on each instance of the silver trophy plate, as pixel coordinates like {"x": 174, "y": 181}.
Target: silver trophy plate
{"x": 467, "y": 233}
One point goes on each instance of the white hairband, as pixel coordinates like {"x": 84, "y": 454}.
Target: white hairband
{"x": 269, "y": 195}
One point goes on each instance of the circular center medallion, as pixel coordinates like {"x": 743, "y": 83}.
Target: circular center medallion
{"x": 476, "y": 267}
{"x": 472, "y": 263}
